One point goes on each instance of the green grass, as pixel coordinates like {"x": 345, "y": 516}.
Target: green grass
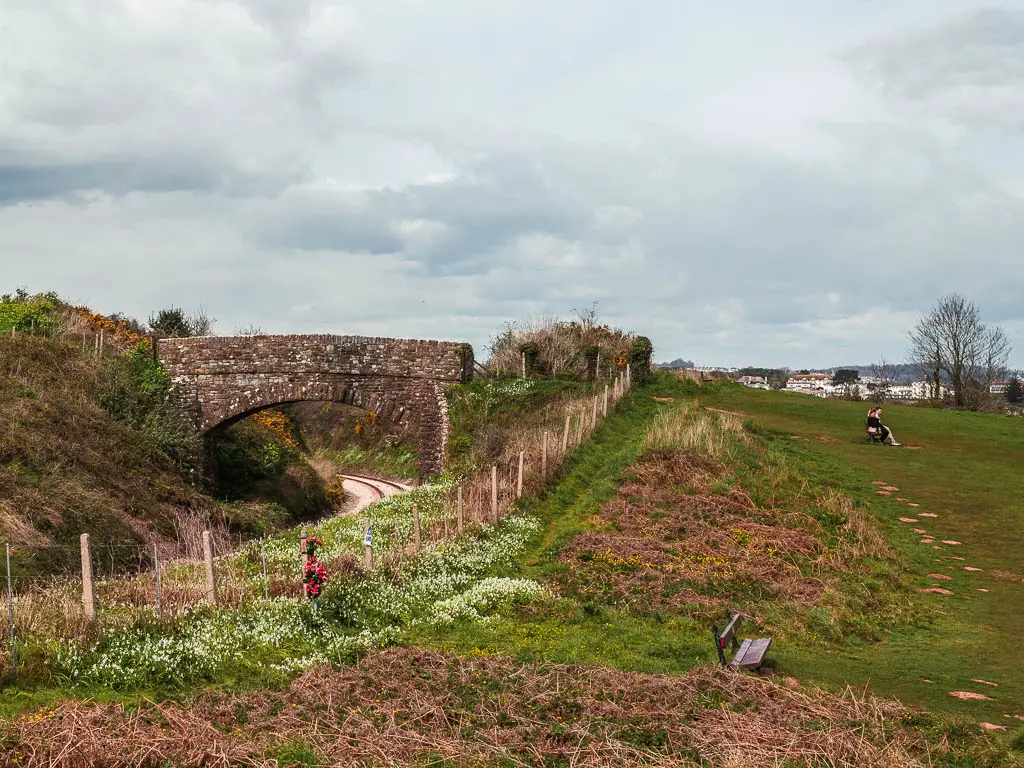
{"x": 591, "y": 633}
{"x": 969, "y": 472}
{"x": 964, "y": 472}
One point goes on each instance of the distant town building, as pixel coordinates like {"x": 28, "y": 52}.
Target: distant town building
{"x": 756, "y": 382}
{"x": 915, "y": 390}
{"x": 804, "y": 382}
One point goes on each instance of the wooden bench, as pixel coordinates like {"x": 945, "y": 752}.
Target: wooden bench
{"x": 749, "y": 654}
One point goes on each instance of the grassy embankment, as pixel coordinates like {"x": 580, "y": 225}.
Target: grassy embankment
{"x": 672, "y": 515}
{"x": 967, "y": 477}
{"x": 189, "y": 647}
{"x": 95, "y": 443}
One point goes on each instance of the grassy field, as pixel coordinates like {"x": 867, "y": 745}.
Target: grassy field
{"x": 968, "y": 473}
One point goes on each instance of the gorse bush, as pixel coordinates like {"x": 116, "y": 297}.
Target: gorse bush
{"x": 640, "y": 352}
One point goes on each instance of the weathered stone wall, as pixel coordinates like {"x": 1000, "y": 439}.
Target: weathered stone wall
{"x": 227, "y": 378}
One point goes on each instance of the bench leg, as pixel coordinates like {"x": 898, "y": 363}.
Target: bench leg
{"x": 718, "y": 646}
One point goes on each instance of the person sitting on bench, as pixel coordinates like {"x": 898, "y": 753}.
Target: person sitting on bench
{"x": 875, "y": 423}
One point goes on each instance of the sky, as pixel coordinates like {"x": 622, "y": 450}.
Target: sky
{"x": 751, "y": 182}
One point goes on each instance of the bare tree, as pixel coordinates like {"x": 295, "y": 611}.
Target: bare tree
{"x": 952, "y": 340}
{"x": 201, "y": 323}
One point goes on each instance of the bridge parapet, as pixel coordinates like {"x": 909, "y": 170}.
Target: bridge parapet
{"x": 321, "y": 353}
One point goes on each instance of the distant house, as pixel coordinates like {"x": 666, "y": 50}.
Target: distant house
{"x": 998, "y": 387}
{"x": 915, "y": 390}
{"x": 756, "y": 382}
{"x": 805, "y": 382}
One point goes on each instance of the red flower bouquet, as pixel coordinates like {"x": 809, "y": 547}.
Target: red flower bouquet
{"x": 314, "y": 577}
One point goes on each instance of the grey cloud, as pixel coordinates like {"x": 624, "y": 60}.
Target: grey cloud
{"x": 496, "y": 201}
{"x": 22, "y": 183}
{"x": 969, "y": 68}
{"x": 220, "y": 97}
{"x": 781, "y": 233}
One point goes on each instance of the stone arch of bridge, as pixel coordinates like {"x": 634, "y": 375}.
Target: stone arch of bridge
{"x": 225, "y": 379}
{"x": 385, "y": 407}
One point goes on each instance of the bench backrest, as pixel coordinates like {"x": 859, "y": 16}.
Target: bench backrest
{"x": 729, "y": 633}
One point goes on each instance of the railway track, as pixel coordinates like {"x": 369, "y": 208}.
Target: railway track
{"x": 369, "y": 490}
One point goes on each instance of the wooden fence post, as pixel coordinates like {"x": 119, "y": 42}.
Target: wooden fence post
{"x": 303, "y": 557}
{"x": 593, "y": 415}
{"x": 494, "y": 493}
{"x": 368, "y": 548}
{"x": 266, "y": 577}
{"x": 88, "y": 595}
{"x": 604, "y": 408}
{"x": 416, "y": 526}
{"x": 519, "y": 481}
{"x": 579, "y": 429}
{"x": 458, "y": 509}
{"x": 10, "y": 615}
{"x": 524, "y": 365}
{"x": 211, "y": 583}
{"x": 544, "y": 458}
{"x": 565, "y": 433}
{"x": 156, "y": 570}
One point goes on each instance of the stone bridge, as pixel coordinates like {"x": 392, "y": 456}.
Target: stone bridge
{"x": 226, "y": 378}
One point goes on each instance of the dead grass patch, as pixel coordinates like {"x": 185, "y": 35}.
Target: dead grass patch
{"x": 402, "y": 707}
{"x": 660, "y": 544}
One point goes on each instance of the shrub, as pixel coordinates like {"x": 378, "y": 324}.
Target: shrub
{"x": 640, "y": 360}
{"x": 24, "y": 313}
{"x": 175, "y": 323}
{"x": 259, "y": 458}
{"x": 136, "y": 390}
{"x": 579, "y": 346}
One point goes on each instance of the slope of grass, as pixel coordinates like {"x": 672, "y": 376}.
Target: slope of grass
{"x": 968, "y": 473}
{"x": 486, "y": 413}
{"x": 67, "y": 465}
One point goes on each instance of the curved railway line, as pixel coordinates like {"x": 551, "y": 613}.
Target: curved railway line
{"x": 369, "y": 490}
